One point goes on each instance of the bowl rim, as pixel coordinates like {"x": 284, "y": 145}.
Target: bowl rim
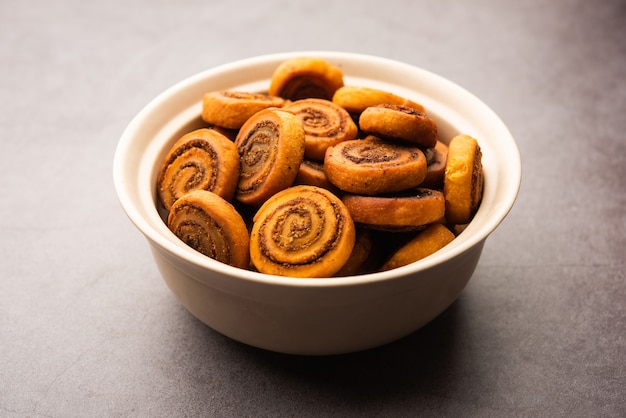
{"x": 454, "y": 249}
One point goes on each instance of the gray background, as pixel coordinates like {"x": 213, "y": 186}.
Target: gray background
{"x": 87, "y": 326}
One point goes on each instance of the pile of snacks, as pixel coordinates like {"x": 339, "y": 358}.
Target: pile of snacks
{"x": 318, "y": 179}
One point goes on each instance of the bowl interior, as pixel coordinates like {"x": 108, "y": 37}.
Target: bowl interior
{"x": 176, "y": 111}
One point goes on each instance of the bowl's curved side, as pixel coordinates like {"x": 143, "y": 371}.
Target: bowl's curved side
{"x": 323, "y": 321}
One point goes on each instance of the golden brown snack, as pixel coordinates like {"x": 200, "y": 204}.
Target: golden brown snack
{"x": 325, "y": 124}
{"x": 302, "y": 231}
{"x": 211, "y": 225}
{"x": 400, "y": 123}
{"x": 463, "y": 180}
{"x": 203, "y": 159}
{"x": 373, "y": 166}
{"x": 410, "y": 210}
{"x": 356, "y": 263}
{"x": 311, "y": 173}
{"x": 271, "y": 146}
{"x": 427, "y": 242}
{"x": 458, "y": 228}
{"x": 436, "y": 158}
{"x": 230, "y": 109}
{"x": 305, "y": 77}
{"x": 355, "y": 99}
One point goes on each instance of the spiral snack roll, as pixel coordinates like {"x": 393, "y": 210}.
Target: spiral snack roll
{"x": 200, "y": 160}
{"x": 302, "y": 231}
{"x": 305, "y": 77}
{"x": 271, "y": 146}
{"x": 211, "y": 225}
{"x": 406, "y": 211}
{"x": 427, "y": 242}
{"x": 400, "y": 123}
{"x": 373, "y": 166}
{"x": 230, "y": 109}
{"x": 463, "y": 179}
{"x": 325, "y": 124}
{"x": 355, "y": 99}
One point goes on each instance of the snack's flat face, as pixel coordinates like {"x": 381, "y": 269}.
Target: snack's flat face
{"x": 304, "y": 78}
{"x": 212, "y": 226}
{"x": 374, "y": 166}
{"x": 325, "y": 124}
{"x": 303, "y": 231}
{"x": 201, "y": 160}
{"x": 271, "y": 145}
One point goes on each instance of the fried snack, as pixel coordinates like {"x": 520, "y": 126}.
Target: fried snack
{"x": 373, "y": 166}
{"x": 211, "y": 225}
{"x": 433, "y": 238}
{"x": 311, "y": 173}
{"x": 325, "y": 124}
{"x": 436, "y": 158}
{"x": 271, "y": 146}
{"x": 400, "y": 123}
{"x": 230, "y": 109}
{"x": 407, "y": 211}
{"x": 356, "y": 99}
{"x": 305, "y": 77}
{"x": 463, "y": 179}
{"x": 361, "y": 251}
{"x": 203, "y": 159}
{"x": 302, "y": 231}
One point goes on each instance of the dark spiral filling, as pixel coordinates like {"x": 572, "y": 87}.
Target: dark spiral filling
{"x": 288, "y": 228}
{"x": 257, "y": 152}
{"x": 202, "y": 171}
{"x": 321, "y": 123}
{"x": 374, "y": 153}
{"x": 201, "y": 232}
{"x": 303, "y": 87}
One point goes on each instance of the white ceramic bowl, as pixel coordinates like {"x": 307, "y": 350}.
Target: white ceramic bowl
{"x": 328, "y": 315}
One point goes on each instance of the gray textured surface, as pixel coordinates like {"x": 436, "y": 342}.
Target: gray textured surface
{"x": 88, "y": 328}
